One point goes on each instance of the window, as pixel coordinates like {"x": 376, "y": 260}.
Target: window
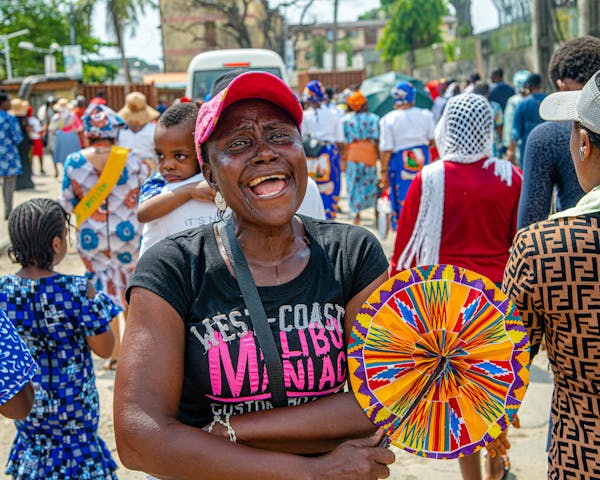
{"x": 370, "y": 36}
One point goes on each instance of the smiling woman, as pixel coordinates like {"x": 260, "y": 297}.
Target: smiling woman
{"x": 258, "y": 166}
{"x": 203, "y": 388}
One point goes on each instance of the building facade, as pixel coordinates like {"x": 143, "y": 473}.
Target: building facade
{"x": 190, "y": 27}
{"x": 357, "y": 44}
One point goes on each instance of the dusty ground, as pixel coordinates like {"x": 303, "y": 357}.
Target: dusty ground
{"x": 528, "y": 459}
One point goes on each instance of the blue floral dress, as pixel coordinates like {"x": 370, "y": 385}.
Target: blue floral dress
{"x": 16, "y": 363}
{"x": 59, "y": 439}
{"x": 361, "y": 179}
{"x": 109, "y": 240}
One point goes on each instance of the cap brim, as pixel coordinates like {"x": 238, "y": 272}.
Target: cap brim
{"x": 560, "y": 106}
{"x": 256, "y": 84}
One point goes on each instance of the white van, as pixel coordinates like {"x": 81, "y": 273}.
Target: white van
{"x": 206, "y": 67}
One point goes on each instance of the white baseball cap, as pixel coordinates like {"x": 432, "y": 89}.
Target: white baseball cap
{"x": 582, "y": 106}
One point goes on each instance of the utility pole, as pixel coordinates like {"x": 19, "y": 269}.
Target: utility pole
{"x": 72, "y": 29}
{"x": 335, "y": 36}
{"x": 589, "y": 17}
{"x": 5, "y": 39}
{"x": 543, "y": 36}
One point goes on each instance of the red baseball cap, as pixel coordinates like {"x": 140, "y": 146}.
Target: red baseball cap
{"x": 253, "y": 84}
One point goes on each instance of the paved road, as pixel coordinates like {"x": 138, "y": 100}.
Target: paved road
{"x": 528, "y": 459}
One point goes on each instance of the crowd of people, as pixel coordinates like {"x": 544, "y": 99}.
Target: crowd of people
{"x": 209, "y": 228}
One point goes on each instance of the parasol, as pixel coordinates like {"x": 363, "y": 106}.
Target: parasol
{"x": 438, "y": 358}
{"x": 378, "y": 92}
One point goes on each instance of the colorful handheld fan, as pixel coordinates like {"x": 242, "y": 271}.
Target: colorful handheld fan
{"x": 439, "y": 358}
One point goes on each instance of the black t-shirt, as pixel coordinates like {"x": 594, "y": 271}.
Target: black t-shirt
{"x": 224, "y": 370}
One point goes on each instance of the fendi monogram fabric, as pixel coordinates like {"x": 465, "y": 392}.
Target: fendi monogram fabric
{"x": 553, "y": 276}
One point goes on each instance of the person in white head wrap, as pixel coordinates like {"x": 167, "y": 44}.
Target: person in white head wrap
{"x": 462, "y": 209}
{"x": 519, "y": 80}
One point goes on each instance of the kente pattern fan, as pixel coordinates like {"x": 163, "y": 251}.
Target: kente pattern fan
{"x": 439, "y": 358}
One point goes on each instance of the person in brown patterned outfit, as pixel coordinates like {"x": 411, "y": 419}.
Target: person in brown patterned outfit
{"x": 553, "y": 276}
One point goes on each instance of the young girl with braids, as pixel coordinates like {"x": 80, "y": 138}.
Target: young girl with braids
{"x": 62, "y": 320}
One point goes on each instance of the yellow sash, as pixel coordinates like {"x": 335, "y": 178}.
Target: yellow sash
{"x": 108, "y": 179}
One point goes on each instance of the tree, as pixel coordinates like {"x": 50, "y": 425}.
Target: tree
{"x": 237, "y": 13}
{"x": 373, "y": 14}
{"x": 319, "y": 47}
{"x": 463, "y": 17}
{"x": 121, "y": 16}
{"x": 48, "y": 22}
{"x": 99, "y": 72}
{"x": 412, "y": 24}
{"x": 247, "y": 16}
{"x": 345, "y": 45}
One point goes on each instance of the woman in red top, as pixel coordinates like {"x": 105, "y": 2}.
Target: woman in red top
{"x": 462, "y": 209}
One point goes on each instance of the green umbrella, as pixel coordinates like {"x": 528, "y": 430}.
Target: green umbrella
{"x": 378, "y": 91}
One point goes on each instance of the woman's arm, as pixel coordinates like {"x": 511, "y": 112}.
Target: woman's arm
{"x": 103, "y": 343}
{"x": 18, "y": 407}
{"x": 164, "y": 203}
{"x": 150, "y": 438}
{"x": 315, "y": 427}
{"x": 520, "y": 285}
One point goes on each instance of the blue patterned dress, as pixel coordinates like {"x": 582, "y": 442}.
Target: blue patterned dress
{"x": 152, "y": 187}
{"x": 109, "y": 240}
{"x": 361, "y": 179}
{"x": 59, "y": 439}
{"x": 16, "y": 363}
{"x": 10, "y": 137}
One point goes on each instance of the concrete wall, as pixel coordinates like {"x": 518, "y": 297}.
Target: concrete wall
{"x": 510, "y": 62}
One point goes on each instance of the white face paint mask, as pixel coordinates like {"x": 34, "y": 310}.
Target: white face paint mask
{"x": 465, "y": 133}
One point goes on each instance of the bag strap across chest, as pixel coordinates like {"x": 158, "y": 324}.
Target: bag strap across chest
{"x": 260, "y": 323}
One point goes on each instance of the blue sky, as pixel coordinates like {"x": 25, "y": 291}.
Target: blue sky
{"x": 145, "y": 41}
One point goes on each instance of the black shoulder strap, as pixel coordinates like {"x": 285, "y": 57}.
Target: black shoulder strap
{"x": 256, "y": 309}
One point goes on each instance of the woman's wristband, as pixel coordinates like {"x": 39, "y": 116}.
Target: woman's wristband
{"x": 227, "y": 424}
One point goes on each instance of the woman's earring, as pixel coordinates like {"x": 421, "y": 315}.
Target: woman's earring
{"x": 220, "y": 201}
{"x": 581, "y": 153}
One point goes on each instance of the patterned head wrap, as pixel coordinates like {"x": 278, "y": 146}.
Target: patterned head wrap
{"x": 404, "y": 92}
{"x": 100, "y": 121}
{"x": 520, "y": 79}
{"x": 314, "y": 92}
{"x": 356, "y": 100}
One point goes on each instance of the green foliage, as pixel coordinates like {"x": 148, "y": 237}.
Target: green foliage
{"x": 450, "y": 51}
{"x": 123, "y": 15}
{"x": 462, "y": 9}
{"x": 98, "y": 72}
{"x": 48, "y": 22}
{"x": 319, "y": 47}
{"x": 373, "y": 14}
{"x": 126, "y": 12}
{"x": 412, "y": 24}
{"x": 345, "y": 45}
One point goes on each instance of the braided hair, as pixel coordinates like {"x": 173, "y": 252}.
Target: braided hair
{"x": 31, "y": 227}
{"x": 178, "y": 114}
